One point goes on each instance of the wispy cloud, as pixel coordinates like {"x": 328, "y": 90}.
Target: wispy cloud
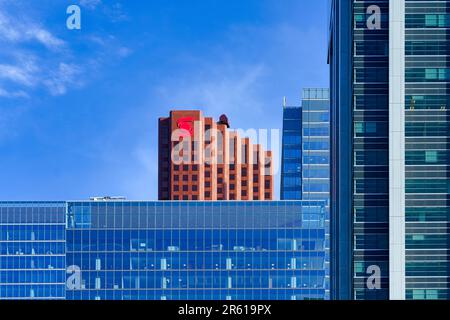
{"x": 218, "y": 89}
{"x": 65, "y": 75}
{"x": 23, "y": 69}
{"x": 15, "y": 30}
{"x": 13, "y": 94}
{"x": 36, "y": 58}
{"x": 20, "y": 74}
{"x": 90, "y": 4}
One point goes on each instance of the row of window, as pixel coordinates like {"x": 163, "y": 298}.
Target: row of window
{"x": 427, "y": 21}
{"x": 427, "y": 74}
{"x": 201, "y": 294}
{"x": 427, "y": 48}
{"x": 199, "y": 280}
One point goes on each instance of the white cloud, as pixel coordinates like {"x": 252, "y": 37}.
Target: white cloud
{"x": 20, "y": 74}
{"x": 90, "y": 4}
{"x": 124, "y": 52}
{"x": 217, "y": 90}
{"x": 15, "y": 30}
{"x": 24, "y": 69}
{"x": 65, "y": 75}
{"x": 6, "y": 32}
{"x": 45, "y": 37}
{"x": 52, "y": 64}
{"x": 13, "y": 94}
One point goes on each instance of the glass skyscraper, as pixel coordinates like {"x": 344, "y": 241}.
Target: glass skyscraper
{"x": 306, "y": 152}
{"x": 306, "y": 148}
{"x": 390, "y": 149}
{"x": 123, "y": 250}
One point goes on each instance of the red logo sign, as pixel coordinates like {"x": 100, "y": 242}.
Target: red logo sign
{"x": 187, "y": 125}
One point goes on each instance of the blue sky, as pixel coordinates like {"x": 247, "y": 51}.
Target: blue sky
{"x": 79, "y": 108}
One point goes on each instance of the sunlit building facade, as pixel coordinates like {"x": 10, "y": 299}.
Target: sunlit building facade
{"x": 122, "y": 250}
{"x": 306, "y": 148}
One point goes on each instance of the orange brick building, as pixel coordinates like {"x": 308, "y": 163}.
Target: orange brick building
{"x": 201, "y": 159}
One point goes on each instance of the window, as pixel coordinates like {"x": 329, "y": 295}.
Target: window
{"x": 244, "y": 172}
{"x": 359, "y": 267}
{"x": 292, "y": 153}
{"x": 359, "y": 127}
{"x": 195, "y": 167}
{"x": 194, "y": 188}
{"x": 431, "y": 20}
{"x": 316, "y": 173}
{"x": 194, "y": 177}
{"x": 185, "y": 178}
{"x": 232, "y": 187}
{"x": 219, "y": 170}
{"x": 176, "y": 168}
{"x": 244, "y": 193}
{"x": 176, "y": 188}
{"x": 194, "y": 197}
{"x": 207, "y": 174}
{"x": 418, "y": 294}
{"x": 185, "y": 198}
{"x": 292, "y": 139}
{"x": 185, "y": 188}
{"x": 208, "y": 194}
{"x": 431, "y": 74}
{"x": 207, "y": 184}
{"x": 186, "y": 168}
{"x": 244, "y": 183}
{"x": 371, "y": 127}
{"x": 432, "y": 295}
{"x": 176, "y": 178}
{"x": 431, "y": 156}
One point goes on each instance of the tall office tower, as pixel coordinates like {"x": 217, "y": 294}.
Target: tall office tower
{"x": 305, "y": 166}
{"x": 200, "y": 159}
{"x": 390, "y": 149}
{"x": 306, "y": 147}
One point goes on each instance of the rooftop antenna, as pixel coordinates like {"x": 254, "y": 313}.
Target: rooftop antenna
{"x": 284, "y": 101}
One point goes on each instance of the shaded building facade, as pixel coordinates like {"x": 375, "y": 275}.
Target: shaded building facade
{"x": 390, "y": 164}
{"x": 201, "y": 159}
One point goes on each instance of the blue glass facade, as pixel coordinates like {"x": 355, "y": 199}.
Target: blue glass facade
{"x": 164, "y": 250}
{"x": 306, "y": 148}
{"x": 316, "y": 144}
{"x": 32, "y": 250}
{"x": 291, "y": 170}
{"x": 341, "y": 90}
{"x": 306, "y": 152}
